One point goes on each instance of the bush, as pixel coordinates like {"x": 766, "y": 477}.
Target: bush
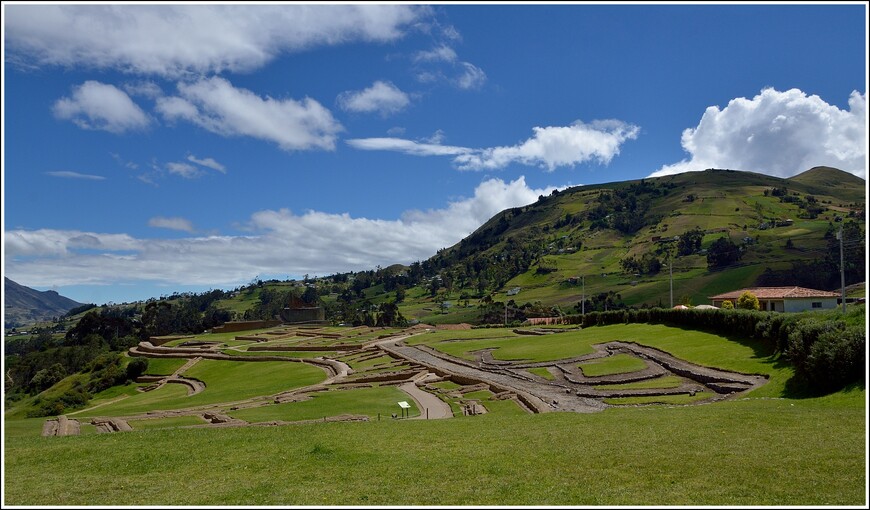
{"x": 748, "y": 301}
{"x": 827, "y": 354}
{"x": 136, "y": 368}
{"x": 727, "y": 305}
{"x": 58, "y": 405}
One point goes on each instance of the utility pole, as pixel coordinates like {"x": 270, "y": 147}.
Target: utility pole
{"x": 505, "y": 314}
{"x": 671, "y": 274}
{"x": 583, "y": 298}
{"x": 842, "y": 270}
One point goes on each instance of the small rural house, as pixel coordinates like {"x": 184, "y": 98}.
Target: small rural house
{"x": 783, "y": 299}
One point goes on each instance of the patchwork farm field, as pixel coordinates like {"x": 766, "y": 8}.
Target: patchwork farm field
{"x": 297, "y": 431}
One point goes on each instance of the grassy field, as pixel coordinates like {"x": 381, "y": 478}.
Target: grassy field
{"x": 369, "y": 402}
{"x": 746, "y": 452}
{"x": 616, "y": 364}
{"x": 164, "y": 366}
{"x": 226, "y": 381}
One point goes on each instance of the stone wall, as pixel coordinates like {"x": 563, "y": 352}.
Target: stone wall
{"x": 231, "y": 327}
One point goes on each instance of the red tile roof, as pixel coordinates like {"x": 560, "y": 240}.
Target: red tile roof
{"x": 778, "y": 293}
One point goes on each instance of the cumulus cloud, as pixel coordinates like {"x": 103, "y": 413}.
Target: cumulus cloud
{"x": 95, "y": 105}
{"x": 171, "y": 223}
{"x": 777, "y": 133}
{"x": 208, "y": 163}
{"x": 75, "y": 175}
{"x": 549, "y": 148}
{"x": 282, "y": 242}
{"x": 175, "y": 40}
{"x": 382, "y": 97}
{"x": 215, "y": 105}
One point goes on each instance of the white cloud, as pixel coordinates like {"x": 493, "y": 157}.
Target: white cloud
{"x": 441, "y": 53}
{"x": 441, "y": 63}
{"x": 147, "y": 89}
{"x": 171, "y": 223}
{"x": 208, "y": 163}
{"x": 382, "y": 97}
{"x": 472, "y": 77}
{"x": 184, "y": 170}
{"x": 285, "y": 243}
{"x": 75, "y": 175}
{"x": 777, "y": 133}
{"x": 549, "y": 148}
{"x": 407, "y": 146}
{"x": 173, "y": 40}
{"x": 96, "y": 105}
{"x": 215, "y": 105}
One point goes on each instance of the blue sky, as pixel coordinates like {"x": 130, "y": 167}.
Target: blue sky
{"x": 150, "y": 149}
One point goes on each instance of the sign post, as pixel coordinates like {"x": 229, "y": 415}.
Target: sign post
{"x": 405, "y": 408}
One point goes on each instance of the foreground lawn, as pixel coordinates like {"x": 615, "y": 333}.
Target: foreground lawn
{"x": 745, "y": 452}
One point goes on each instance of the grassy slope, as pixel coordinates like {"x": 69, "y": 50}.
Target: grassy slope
{"x": 731, "y": 200}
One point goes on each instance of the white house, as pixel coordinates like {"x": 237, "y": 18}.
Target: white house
{"x": 783, "y": 299}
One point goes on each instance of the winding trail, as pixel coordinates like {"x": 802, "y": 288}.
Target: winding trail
{"x": 431, "y": 407}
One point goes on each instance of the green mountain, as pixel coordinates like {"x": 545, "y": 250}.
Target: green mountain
{"x": 24, "y": 305}
{"x": 612, "y": 242}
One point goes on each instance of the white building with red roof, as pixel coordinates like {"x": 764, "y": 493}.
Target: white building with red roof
{"x": 783, "y": 299}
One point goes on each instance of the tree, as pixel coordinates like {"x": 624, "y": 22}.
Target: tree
{"x": 722, "y": 253}
{"x": 690, "y": 242}
{"x": 748, "y": 301}
{"x": 400, "y": 293}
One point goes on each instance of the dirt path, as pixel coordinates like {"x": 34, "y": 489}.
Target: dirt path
{"x": 431, "y": 407}
{"x": 122, "y": 397}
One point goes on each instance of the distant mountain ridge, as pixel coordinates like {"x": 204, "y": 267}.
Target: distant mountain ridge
{"x": 25, "y": 305}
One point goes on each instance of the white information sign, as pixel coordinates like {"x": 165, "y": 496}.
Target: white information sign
{"x": 404, "y": 405}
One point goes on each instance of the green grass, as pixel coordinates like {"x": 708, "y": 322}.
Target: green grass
{"x": 738, "y": 453}
{"x": 446, "y": 385}
{"x": 173, "y": 421}
{"x": 664, "y": 382}
{"x": 616, "y": 364}
{"x": 661, "y": 399}
{"x": 541, "y": 372}
{"x": 477, "y": 395}
{"x": 164, "y": 366}
{"x": 366, "y": 401}
{"x": 226, "y": 381}
{"x": 516, "y": 347}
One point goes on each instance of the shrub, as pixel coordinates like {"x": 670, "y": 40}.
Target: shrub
{"x": 748, "y": 301}
{"x": 727, "y": 305}
{"x": 136, "y": 368}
